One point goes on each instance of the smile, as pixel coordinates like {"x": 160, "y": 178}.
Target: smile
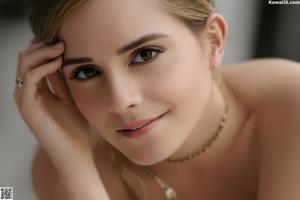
{"x": 141, "y": 127}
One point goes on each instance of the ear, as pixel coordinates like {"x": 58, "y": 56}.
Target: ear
{"x": 216, "y": 30}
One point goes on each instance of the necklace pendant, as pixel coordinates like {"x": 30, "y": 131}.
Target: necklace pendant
{"x": 170, "y": 193}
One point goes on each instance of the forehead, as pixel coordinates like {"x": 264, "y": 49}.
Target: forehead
{"x": 113, "y": 22}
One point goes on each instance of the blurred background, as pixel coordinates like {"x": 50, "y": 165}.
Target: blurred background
{"x": 256, "y": 29}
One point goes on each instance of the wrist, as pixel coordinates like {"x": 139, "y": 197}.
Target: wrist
{"x": 83, "y": 182}
{"x": 76, "y": 166}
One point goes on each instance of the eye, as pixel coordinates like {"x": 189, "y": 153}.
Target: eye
{"x": 145, "y": 55}
{"x": 84, "y": 73}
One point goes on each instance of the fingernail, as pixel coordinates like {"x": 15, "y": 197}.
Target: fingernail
{"x": 58, "y": 45}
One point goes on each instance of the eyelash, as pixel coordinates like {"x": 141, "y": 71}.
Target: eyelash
{"x": 136, "y": 53}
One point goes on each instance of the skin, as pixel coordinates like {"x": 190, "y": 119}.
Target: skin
{"x": 177, "y": 81}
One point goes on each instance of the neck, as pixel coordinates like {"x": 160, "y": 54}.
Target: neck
{"x": 220, "y": 161}
{"x": 207, "y": 125}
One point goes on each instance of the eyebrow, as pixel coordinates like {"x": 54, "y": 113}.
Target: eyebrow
{"x": 123, "y": 49}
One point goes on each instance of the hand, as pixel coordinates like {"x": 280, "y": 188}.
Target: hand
{"x": 51, "y": 114}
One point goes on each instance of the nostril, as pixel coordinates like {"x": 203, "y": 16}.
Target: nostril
{"x": 131, "y": 106}
{"x": 123, "y": 103}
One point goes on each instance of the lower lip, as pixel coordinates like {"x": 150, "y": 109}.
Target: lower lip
{"x": 142, "y": 131}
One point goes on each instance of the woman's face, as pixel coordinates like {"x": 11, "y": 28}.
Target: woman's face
{"x": 114, "y": 84}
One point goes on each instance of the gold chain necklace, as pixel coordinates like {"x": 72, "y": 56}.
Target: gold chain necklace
{"x": 206, "y": 145}
{"x": 169, "y": 192}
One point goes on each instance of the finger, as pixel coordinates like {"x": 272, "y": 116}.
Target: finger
{"x": 17, "y": 93}
{"x": 38, "y": 57}
{"x": 59, "y": 86}
{"x": 21, "y": 70}
{"x": 32, "y": 48}
{"x": 42, "y": 85}
{"x": 33, "y": 78}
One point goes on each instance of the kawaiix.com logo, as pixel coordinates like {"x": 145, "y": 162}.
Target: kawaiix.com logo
{"x": 285, "y": 2}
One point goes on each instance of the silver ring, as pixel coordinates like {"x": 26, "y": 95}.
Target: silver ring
{"x": 20, "y": 83}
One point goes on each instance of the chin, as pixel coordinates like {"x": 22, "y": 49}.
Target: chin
{"x": 146, "y": 162}
{"x": 144, "y": 158}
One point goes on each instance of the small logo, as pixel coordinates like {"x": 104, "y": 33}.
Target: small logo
{"x": 283, "y": 2}
{"x": 7, "y": 193}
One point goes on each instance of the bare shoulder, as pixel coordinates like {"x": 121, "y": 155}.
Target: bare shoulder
{"x": 259, "y": 82}
{"x": 47, "y": 184}
{"x": 271, "y": 88}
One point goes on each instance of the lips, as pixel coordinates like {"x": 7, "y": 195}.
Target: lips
{"x": 136, "y": 125}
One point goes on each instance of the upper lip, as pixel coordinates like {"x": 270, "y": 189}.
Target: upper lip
{"x": 139, "y": 123}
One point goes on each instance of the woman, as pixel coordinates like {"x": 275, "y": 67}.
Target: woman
{"x": 129, "y": 101}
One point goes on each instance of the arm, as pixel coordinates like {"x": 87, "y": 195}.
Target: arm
{"x": 45, "y": 179}
{"x": 49, "y": 185}
{"x": 83, "y": 183}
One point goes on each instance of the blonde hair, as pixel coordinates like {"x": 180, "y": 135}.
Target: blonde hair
{"x": 46, "y": 17}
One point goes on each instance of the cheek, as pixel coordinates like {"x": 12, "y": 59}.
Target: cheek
{"x": 88, "y": 103}
{"x": 183, "y": 75}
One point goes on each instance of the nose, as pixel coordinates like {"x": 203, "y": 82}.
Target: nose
{"x": 124, "y": 95}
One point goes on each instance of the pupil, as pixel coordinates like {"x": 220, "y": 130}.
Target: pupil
{"x": 89, "y": 71}
{"x": 146, "y": 54}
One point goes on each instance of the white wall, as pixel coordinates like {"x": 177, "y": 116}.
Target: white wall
{"x": 242, "y": 21}
{"x": 16, "y": 142}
